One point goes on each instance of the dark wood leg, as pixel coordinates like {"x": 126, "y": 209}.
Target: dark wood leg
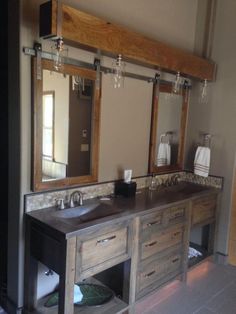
{"x": 211, "y": 239}
{"x": 31, "y": 274}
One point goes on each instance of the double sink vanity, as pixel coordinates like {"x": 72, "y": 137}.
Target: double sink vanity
{"x": 147, "y": 236}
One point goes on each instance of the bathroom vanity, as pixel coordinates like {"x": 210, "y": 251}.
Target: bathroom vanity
{"x": 148, "y": 235}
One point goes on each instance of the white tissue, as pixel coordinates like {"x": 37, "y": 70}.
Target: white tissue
{"x": 127, "y": 176}
{"x": 78, "y": 296}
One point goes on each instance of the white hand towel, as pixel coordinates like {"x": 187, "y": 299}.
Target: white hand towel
{"x": 163, "y": 155}
{"x": 202, "y": 161}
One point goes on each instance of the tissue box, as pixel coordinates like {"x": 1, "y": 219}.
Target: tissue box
{"x": 125, "y": 189}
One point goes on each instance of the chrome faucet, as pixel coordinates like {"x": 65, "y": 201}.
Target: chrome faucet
{"x": 79, "y": 195}
{"x": 175, "y": 179}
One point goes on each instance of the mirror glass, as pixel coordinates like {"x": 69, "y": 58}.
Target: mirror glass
{"x": 168, "y": 129}
{"x": 66, "y": 146}
{"x": 66, "y": 127}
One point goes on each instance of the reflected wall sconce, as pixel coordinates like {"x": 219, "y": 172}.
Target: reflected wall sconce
{"x": 118, "y": 71}
{"x": 176, "y": 86}
{"x": 59, "y": 53}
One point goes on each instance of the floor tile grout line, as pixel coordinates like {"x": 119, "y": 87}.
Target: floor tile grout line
{"x": 205, "y": 305}
{"x": 215, "y": 295}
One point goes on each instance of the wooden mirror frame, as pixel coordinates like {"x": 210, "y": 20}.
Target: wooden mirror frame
{"x": 37, "y": 93}
{"x": 153, "y": 168}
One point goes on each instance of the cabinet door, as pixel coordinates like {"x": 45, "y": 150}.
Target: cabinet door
{"x": 203, "y": 209}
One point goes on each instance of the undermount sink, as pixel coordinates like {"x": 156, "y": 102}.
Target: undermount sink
{"x": 87, "y": 212}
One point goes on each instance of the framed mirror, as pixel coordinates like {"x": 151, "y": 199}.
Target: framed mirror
{"x": 66, "y": 117}
{"x": 168, "y": 127}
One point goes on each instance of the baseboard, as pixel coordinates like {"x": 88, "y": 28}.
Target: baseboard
{"x": 221, "y": 258}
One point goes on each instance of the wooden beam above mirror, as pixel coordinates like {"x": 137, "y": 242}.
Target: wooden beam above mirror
{"x": 90, "y": 32}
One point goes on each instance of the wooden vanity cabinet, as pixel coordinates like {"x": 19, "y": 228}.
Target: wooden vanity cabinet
{"x": 203, "y": 216}
{"x": 74, "y": 259}
{"x": 163, "y": 244}
{"x": 152, "y": 245}
{"x": 204, "y": 210}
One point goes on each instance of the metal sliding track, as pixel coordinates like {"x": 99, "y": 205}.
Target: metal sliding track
{"x": 67, "y": 60}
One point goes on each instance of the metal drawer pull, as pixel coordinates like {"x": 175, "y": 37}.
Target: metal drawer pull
{"x": 106, "y": 240}
{"x": 175, "y": 260}
{"x": 156, "y": 222}
{"x": 179, "y": 214}
{"x": 151, "y": 244}
{"x": 150, "y": 274}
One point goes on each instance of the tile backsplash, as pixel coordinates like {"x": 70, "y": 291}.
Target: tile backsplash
{"x": 46, "y": 199}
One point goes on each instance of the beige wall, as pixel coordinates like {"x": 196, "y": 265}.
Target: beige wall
{"x": 167, "y": 20}
{"x": 138, "y": 16}
{"x": 125, "y": 128}
{"x": 218, "y": 116}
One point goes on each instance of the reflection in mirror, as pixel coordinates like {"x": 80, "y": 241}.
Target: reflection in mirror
{"x": 167, "y": 130}
{"x": 66, "y": 111}
{"x": 66, "y": 146}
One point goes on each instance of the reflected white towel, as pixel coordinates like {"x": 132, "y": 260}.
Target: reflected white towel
{"x": 163, "y": 155}
{"x": 202, "y": 161}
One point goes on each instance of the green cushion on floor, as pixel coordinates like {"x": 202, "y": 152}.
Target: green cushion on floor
{"x": 93, "y": 295}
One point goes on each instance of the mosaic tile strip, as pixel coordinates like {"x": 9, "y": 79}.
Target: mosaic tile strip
{"x": 48, "y": 199}
{"x": 216, "y": 182}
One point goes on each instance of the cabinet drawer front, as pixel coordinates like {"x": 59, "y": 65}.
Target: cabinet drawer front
{"x": 152, "y": 272}
{"x": 176, "y": 214}
{"x": 104, "y": 247}
{"x": 161, "y": 240}
{"x": 151, "y": 222}
{"x": 203, "y": 209}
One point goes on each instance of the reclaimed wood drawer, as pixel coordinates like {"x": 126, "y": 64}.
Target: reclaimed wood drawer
{"x": 153, "y": 271}
{"x": 103, "y": 250}
{"x": 203, "y": 209}
{"x": 176, "y": 214}
{"x": 151, "y": 222}
{"x": 162, "y": 240}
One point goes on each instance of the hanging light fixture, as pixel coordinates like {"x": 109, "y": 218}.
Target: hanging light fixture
{"x": 176, "y": 86}
{"x": 59, "y": 53}
{"x": 204, "y": 92}
{"x": 118, "y": 70}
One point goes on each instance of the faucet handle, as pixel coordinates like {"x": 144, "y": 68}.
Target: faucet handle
{"x": 60, "y": 203}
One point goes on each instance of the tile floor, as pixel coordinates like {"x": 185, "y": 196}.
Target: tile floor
{"x": 210, "y": 288}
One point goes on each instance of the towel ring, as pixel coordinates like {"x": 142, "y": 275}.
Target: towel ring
{"x": 207, "y": 140}
{"x": 162, "y": 137}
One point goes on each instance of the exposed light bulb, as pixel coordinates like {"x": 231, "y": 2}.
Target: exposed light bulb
{"x": 59, "y": 53}
{"x": 118, "y": 69}
{"x": 204, "y": 92}
{"x": 176, "y": 86}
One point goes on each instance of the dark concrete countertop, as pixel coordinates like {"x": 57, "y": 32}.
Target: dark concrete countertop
{"x": 117, "y": 209}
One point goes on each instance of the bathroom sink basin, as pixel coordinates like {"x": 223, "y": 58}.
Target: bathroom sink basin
{"x": 188, "y": 189}
{"x": 76, "y": 211}
{"x": 87, "y": 212}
